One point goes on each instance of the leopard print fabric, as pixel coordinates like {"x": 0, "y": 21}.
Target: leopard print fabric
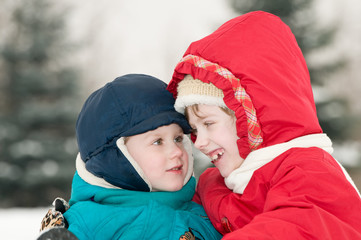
{"x": 54, "y": 217}
{"x": 188, "y": 236}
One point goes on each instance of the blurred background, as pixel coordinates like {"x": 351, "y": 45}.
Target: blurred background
{"x": 53, "y": 54}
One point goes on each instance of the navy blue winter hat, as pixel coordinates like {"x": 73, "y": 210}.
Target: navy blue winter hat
{"x": 131, "y": 104}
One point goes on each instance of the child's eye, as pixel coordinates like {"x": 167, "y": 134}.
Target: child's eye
{"x": 207, "y": 124}
{"x": 157, "y": 142}
{"x": 178, "y": 139}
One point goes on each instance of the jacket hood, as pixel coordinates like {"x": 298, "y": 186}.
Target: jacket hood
{"x": 129, "y": 105}
{"x": 256, "y": 61}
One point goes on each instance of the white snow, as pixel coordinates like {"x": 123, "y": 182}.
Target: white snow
{"x": 20, "y": 223}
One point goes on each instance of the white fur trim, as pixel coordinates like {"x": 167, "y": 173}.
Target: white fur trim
{"x": 188, "y": 100}
{"x": 188, "y": 147}
{"x": 88, "y": 176}
{"x": 124, "y": 150}
{"x": 239, "y": 178}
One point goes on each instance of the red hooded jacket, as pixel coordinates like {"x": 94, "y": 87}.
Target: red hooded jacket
{"x": 289, "y": 186}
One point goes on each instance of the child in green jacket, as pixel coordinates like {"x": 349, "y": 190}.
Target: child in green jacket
{"x": 134, "y": 170}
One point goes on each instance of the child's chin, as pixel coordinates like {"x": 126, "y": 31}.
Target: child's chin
{"x": 173, "y": 188}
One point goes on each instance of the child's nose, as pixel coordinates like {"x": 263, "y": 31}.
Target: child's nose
{"x": 176, "y": 151}
{"x": 201, "y": 141}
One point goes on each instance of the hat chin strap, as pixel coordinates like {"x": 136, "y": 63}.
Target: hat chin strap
{"x": 89, "y": 177}
{"x": 124, "y": 150}
{"x": 97, "y": 181}
{"x": 188, "y": 147}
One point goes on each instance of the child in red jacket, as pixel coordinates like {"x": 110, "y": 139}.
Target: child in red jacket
{"x": 246, "y": 92}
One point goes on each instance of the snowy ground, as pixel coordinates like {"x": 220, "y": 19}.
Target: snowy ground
{"x": 20, "y": 223}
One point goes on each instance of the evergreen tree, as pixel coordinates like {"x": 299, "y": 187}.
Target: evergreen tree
{"x": 299, "y": 15}
{"x": 38, "y": 106}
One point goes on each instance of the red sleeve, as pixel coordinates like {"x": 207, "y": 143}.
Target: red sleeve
{"x": 306, "y": 201}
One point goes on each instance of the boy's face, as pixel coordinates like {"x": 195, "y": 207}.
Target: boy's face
{"x": 216, "y": 137}
{"x": 161, "y": 155}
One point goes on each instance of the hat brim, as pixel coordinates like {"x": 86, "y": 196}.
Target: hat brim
{"x": 185, "y": 101}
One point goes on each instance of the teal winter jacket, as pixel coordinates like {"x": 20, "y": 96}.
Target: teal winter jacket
{"x": 102, "y": 213}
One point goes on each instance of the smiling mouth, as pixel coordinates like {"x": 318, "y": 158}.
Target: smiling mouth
{"x": 176, "y": 169}
{"x": 216, "y": 155}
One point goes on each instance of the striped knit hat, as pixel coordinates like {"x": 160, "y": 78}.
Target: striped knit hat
{"x": 193, "y": 91}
